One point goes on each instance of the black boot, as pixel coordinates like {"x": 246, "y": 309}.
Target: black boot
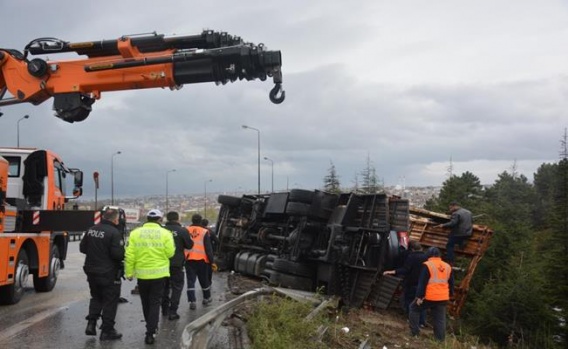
{"x": 149, "y": 339}
{"x": 91, "y": 329}
{"x": 109, "y": 335}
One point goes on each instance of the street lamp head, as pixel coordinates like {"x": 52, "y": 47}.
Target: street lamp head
{"x": 244, "y": 126}
{"x": 26, "y": 116}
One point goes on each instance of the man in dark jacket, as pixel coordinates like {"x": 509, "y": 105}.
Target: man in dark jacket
{"x": 461, "y": 225}
{"x": 214, "y": 244}
{"x": 174, "y": 285}
{"x": 104, "y": 249}
{"x": 411, "y": 271}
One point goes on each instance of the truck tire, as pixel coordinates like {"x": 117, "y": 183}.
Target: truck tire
{"x": 228, "y": 200}
{"x": 47, "y": 283}
{"x": 11, "y": 294}
{"x": 393, "y": 251}
{"x": 297, "y": 209}
{"x": 301, "y": 195}
{"x": 290, "y": 281}
{"x": 293, "y": 268}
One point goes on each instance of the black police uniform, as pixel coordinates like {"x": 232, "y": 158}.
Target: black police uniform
{"x": 104, "y": 249}
{"x": 174, "y": 284}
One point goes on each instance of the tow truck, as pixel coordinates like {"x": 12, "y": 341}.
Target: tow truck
{"x": 33, "y": 219}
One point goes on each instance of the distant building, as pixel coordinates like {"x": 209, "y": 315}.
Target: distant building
{"x": 132, "y": 215}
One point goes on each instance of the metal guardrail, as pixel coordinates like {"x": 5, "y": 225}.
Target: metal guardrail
{"x": 198, "y": 333}
{"x": 75, "y": 235}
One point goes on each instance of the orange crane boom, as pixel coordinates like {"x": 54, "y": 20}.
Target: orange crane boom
{"x": 130, "y": 62}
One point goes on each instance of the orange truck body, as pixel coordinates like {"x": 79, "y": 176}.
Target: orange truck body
{"x": 32, "y": 203}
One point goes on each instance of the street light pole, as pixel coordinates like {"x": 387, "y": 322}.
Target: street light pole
{"x": 258, "y": 146}
{"x": 112, "y": 176}
{"x": 205, "y": 198}
{"x": 167, "y": 200}
{"x": 272, "y": 170}
{"x": 18, "y": 135}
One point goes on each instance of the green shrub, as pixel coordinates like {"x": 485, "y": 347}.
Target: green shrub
{"x": 279, "y": 322}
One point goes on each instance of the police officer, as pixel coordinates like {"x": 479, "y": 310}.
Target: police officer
{"x": 174, "y": 285}
{"x": 104, "y": 249}
{"x": 435, "y": 288}
{"x": 148, "y": 254}
{"x": 198, "y": 262}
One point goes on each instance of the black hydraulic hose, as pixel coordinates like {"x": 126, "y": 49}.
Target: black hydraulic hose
{"x": 153, "y": 42}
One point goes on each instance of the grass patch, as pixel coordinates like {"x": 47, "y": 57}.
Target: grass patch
{"x": 279, "y": 322}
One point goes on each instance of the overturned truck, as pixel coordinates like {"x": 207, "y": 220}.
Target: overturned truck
{"x": 334, "y": 243}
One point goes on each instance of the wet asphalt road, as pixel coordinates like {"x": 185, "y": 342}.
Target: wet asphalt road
{"x": 57, "y": 319}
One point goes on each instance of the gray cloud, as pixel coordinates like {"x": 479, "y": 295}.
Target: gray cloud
{"x": 360, "y": 80}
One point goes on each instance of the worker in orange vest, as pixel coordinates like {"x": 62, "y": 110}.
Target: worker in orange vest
{"x": 435, "y": 288}
{"x": 198, "y": 262}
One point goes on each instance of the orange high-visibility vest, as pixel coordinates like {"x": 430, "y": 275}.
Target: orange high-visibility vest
{"x": 197, "y": 253}
{"x": 438, "y": 288}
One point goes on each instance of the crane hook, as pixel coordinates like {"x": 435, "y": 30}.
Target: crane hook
{"x": 277, "y": 88}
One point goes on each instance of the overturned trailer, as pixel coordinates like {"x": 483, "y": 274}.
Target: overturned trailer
{"x": 334, "y": 243}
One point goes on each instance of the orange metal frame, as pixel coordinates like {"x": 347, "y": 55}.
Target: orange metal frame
{"x": 70, "y": 76}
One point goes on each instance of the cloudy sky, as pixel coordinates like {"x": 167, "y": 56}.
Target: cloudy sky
{"x": 409, "y": 84}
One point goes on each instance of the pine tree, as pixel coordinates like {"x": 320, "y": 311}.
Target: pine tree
{"x": 509, "y": 301}
{"x": 554, "y": 199}
{"x": 466, "y": 189}
{"x": 331, "y": 181}
{"x": 545, "y": 186}
{"x": 370, "y": 182}
{"x": 355, "y": 182}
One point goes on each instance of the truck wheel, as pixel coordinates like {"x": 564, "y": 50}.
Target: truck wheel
{"x": 393, "y": 251}
{"x": 297, "y": 209}
{"x": 11, "y": 294}
{"x": 231, "y": 201}
{"x": 47, "y": 283}
{"x": 291, "y": 281}
{"x": 301, "y": 195}
{"x": 293, "y": 268}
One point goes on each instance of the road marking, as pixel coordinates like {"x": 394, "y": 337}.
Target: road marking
{"x": 21, "y": 326}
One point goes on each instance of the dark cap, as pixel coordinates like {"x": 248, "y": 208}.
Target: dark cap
{"x": 433, "y": 252}
{"x": 172, "y": 216}
{"x": 196, "y": 219}
{"x": 454, "y": 203}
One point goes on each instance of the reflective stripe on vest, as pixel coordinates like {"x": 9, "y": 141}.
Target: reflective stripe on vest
{"x": 197, "y": 253}
{"x": 438, "y": 288}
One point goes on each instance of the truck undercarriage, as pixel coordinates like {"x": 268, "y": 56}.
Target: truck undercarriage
{"x": 338, "y": 244}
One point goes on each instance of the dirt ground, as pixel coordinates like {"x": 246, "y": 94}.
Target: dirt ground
{"x": 366, "y": 328}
